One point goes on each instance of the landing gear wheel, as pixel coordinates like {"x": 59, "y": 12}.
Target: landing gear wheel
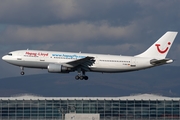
{"x": 77, "y": 77}
{"x": 22, "y": 73}
{"x": 81, "y": 77}
{"x": 86, "y": 77}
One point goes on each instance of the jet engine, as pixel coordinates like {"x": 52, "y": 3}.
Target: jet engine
{"x": 58, "y": 68}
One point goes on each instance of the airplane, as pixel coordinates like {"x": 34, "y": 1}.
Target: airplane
{"x": 65, "y": 62}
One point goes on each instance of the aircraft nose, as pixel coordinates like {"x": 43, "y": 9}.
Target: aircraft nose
{"x": 4, "y": 58}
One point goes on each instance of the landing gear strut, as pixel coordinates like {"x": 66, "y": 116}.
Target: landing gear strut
{"x": 81, "y": 76}
{"x": 22, "y": 71}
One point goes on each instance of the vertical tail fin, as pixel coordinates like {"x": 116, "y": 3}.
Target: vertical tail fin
{"x": 161, "y": 47}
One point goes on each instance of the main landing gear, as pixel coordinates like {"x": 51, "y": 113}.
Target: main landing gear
{"x": 81, "y": 76}
{"x": 77, "y": 77}
{"x": 22, "y": 71}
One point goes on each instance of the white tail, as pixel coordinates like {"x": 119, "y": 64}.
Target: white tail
{"x": 161, "y": 47}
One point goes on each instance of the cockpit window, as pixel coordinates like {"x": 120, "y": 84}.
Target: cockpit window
{"x": 10, "y": 54}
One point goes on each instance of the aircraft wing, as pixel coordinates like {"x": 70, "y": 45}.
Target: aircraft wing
{"x": 161, "y": 61}
{"x": 83, "y": 63}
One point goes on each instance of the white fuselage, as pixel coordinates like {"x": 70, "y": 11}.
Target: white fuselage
{"x": 103, "y": 63}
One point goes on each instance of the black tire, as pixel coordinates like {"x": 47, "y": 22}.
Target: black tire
{"x": 86, "y": 77}
{"x": 77, "y": 77}
{"x": 22, "y": 73}
{"x": 81, "y": 77}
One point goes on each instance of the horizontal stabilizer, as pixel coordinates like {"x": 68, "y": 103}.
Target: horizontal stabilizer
{"x": 161, "y": 62}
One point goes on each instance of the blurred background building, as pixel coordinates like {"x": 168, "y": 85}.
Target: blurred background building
{"x": 135, "y": 107}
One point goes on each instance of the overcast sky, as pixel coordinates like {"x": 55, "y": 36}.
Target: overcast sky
{"x": 125, "y": 27}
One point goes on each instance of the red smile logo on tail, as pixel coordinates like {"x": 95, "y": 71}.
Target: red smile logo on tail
{"x": 162, "y": 51}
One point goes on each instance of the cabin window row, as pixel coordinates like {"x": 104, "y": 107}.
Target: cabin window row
{"x": 114, "y": 61}
{"x": 30, "y": 56}
{"x": 64, "y": 58}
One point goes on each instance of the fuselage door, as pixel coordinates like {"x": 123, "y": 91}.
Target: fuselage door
{"x": 42, "y": 58}
{"x": 96, "y": 60}
{"x": 133, "y": 62}
{"x": 19, "y": 56}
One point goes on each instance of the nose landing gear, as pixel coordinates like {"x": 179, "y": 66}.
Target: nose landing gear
{"x": 22, "y": 71}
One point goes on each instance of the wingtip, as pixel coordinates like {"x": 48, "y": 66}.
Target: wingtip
{"x": 172, "y": 31}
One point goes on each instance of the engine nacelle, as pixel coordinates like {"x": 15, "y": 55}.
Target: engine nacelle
{"x": 57, "y": 68}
